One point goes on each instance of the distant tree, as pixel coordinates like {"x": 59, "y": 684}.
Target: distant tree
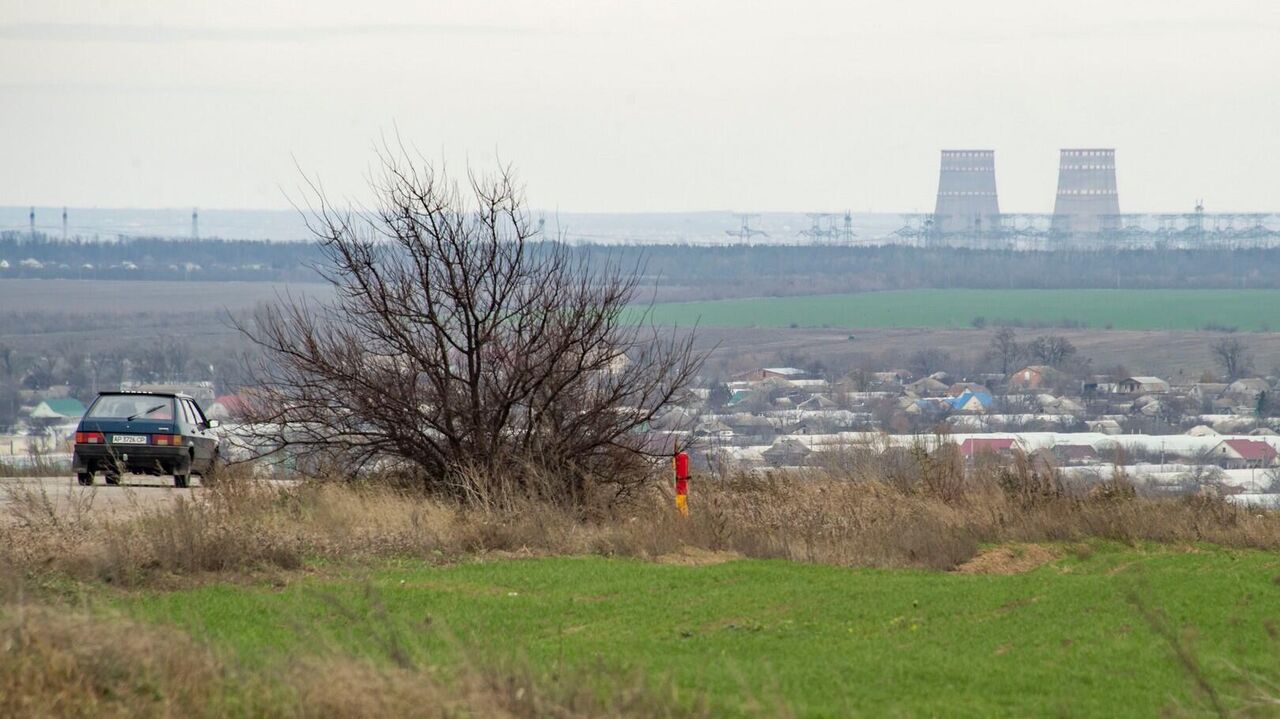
{"x": 720, "y": 395}
{"x": 1005, "y": 349}
{"x": 7, "y": 361}
{"x": 1232, "y": 356}
{"x": 1052, "y": 350}
{"x": 927, "y": 361}
{"x": 462, "y": 353}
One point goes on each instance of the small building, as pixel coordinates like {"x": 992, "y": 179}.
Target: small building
{"x": 960, "y": 388}
{"x": 1075, "y": 453}
{"x": 1143, "y": 385}
{"x": 974, "y": 446}
{"x": 786, "y": 453}
{"x": 59, "y": 409}
{"x": 228, "y": 406}
{"x": 972, "y": 402}
{"x": 766, "y": 373}
{"x": 1033, "y": 377}
{"x": 817, "y": 402}
{"x": 927, "y": 387}
{"x": 1247, "y": 389}
{"x": 1244, "y": 454}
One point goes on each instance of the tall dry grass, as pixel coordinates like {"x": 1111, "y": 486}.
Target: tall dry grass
{"x": 915, "y": 509}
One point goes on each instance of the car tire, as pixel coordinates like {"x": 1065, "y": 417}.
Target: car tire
{"x": 112, "y": 479}
{"x": 181, "y": 481}
{"x": 210, "y": 475}
{"x": 85, "y": 479}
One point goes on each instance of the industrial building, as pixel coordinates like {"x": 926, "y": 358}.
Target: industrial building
{"x": 967, "y": 202}
{"x": 1087, "y": 201}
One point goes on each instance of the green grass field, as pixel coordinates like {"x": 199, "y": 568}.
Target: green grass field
{"x": 1064, "y": 639}
{"x": 1247, "y": 310}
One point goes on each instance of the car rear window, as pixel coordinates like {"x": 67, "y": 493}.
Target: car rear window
{"x": 140, "y": 406}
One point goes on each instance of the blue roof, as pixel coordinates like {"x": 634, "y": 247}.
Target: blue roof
{"x": 983, "y": 398}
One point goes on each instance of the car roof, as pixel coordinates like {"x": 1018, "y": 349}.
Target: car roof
{"x": 179, "y": 395}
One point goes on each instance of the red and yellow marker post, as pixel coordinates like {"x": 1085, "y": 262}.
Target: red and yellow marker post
{"x": 682, "y": 483}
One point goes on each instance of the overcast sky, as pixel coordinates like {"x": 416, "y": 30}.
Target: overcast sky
{"x": 639, "y": 106}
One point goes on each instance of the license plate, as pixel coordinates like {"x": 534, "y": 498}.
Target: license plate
{"x": 128, "y": 439}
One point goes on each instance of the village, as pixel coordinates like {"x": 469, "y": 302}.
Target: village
{"x": 1200, "y": 437}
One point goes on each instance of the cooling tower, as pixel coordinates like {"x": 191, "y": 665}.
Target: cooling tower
{"x": 1087, "y": 200}
{"x": 967, "y": 201}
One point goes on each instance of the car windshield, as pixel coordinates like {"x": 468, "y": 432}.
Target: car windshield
{"x": 138, "y": 406}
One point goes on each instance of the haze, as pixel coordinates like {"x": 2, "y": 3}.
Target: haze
{"x": 639, "y": 106}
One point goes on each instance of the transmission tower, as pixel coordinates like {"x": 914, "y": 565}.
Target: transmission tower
{"x": 195, "y": 224}
{"x": 744, "y": 231}
{"x": 64, "y": 224}
{"x": 32, "y": 218}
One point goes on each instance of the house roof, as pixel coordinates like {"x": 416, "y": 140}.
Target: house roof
{"x": 789, "y": 371}
{"x": 1145, "y": 379}
{"x": 983, "y": 398}
{"x": 1251, "y": 448}
{"x": 973, "y": 445}
{"x": 64, "y": 406}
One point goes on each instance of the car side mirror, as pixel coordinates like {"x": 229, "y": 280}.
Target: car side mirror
{"x": 213, "y": 424}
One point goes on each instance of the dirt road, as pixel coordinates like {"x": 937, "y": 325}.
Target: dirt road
{"x": 63, "y": 494}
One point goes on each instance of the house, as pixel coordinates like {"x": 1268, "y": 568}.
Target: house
{"x": 1201, "y": 430}
{"x": 972, "y": 402}
{"x": 960, "y": 388}
{"x": 927, "y": 387}
{"x": 714, "y": 430}
{"x": 765, "y": 373}
{"x": 61, "y": 408}
{"x": 1247, "y": 390}
{"x": 1143, "y": 385}
{"x": 817, "y": 402}
{"x": 786, "y": 453}
{"x": 1103, "y": 426}
{"x": 1033, "y": 377}
{"x": 226, "y": 407}
{"x": 1075, "y": 453}
{"x": 1244, "y": 454}
{"x": 974, "y": 446}
{"x": 1206, "y": 391}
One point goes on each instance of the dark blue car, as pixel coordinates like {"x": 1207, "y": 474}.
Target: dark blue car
{"x": 151, "y": 433}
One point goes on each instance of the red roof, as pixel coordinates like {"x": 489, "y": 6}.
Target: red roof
{"x": 1252, "y": 449}
{"x": 234, "y": 404}
{"x": 974, "y": 445}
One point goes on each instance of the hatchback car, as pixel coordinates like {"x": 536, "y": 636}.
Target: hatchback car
{"x": 145, "y": 433}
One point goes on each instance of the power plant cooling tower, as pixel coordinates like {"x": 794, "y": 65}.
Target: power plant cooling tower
{"x": 967, "y": 201}
{"x": 1087, "y": 200}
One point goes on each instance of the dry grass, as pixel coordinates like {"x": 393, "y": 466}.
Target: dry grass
{"x": 915, "y": 510}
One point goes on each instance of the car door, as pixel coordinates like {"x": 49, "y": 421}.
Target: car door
{"x": 203, "y": 441}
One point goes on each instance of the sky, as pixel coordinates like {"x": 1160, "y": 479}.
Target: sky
{"x": 638, "y": 106}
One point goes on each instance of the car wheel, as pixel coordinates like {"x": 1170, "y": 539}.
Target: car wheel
{"x": 210, "y": 475}
{"x": 181, "y": 480}
{"x": 85, "y": 479}
{"x": 112, "y": 479}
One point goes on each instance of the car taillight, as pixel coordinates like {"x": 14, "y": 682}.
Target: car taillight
{"x": 90, "y": 438}
{"x": 166, "y": 440}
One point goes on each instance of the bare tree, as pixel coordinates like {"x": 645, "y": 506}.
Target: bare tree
{"x": 1232, "y": 356}
{"x": 461, "y": 350}
{"x": 1053, "y": 350}
{"x": 1005, "y": 349}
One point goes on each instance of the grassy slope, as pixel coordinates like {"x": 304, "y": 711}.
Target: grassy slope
{"x": 1063, "y": 639}
{"x": 1120, "y": 309}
